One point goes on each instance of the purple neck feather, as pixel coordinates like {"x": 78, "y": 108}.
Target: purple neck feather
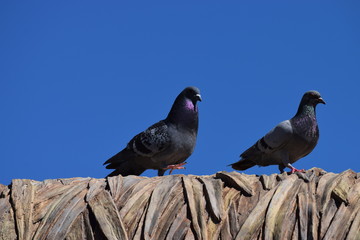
{"x": 190, "y": 105}
{"x": 184, "y": 112}
{"x": 305, "y": 121}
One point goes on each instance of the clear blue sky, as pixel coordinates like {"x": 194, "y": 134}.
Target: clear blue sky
{"x": 79, "y": 79}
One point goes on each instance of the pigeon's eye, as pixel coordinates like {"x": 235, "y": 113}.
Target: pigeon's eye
{"x": 314, "y": 95}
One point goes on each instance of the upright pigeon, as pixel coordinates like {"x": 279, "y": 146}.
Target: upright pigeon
{"x": 289, "y": 141}
{"x": 164, "y": 145}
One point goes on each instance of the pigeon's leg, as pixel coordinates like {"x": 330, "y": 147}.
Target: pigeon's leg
{"x": 281, "y": 168}
{"x": 175, "y": 166}
{"x": 294, "y": 169}
{"x": 161, "y": 172}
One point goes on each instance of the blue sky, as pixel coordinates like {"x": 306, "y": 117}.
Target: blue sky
{"x": 78, "y": 79}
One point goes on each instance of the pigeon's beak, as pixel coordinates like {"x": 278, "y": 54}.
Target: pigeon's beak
{"x": 198, "y": 97}
{"x": 320, "y": 100}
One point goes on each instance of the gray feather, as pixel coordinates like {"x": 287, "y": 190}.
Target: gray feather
{"x": 288, "y": 141}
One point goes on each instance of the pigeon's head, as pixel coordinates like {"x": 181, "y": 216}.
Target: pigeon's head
{"x": 192, "y": 93}
{"x": 184, "y": 109}
{"x": 312, "y": 98}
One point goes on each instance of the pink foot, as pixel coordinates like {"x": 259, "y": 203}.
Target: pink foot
{"x": 296, "y": 170}
{"x": 175, "y": 166}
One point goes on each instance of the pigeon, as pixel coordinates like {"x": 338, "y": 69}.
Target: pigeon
{"x": 287, "y": 142}
{"x": 164, "y": 145}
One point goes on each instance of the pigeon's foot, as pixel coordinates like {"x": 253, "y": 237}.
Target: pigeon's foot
{"x": 175, "y": 166}
{"x": 293, "y": 170}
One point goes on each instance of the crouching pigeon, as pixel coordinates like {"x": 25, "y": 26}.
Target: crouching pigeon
{"x": 289, "y": 141}
{"x": 164, "y": 145}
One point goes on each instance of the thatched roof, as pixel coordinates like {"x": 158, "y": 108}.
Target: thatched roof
{"x": 227, "y": 205}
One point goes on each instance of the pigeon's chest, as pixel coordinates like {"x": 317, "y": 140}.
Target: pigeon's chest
{"x": 183, "y": 141}
{"x": 306, "y": 136}
{"x": 181, "y": 147}
{"x": 307, "y": 129}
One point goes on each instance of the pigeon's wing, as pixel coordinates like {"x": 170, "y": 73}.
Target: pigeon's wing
{"x": 153, "y": 140}
{"x": 274, "y": 140}
{"x": 143, "y": 146}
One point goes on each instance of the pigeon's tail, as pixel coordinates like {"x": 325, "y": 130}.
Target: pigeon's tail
{"x": 243, "y": 164}
{"x": 126, "y": 168}
{"x": 123, "y": 166}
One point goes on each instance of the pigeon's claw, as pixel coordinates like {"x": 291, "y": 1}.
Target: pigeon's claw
{"x": 175, "y": 166}
{"x": 293, "y": 170}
